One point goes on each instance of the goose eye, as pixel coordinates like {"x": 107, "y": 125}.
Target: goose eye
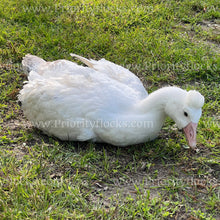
{"x": 186, "y": 114}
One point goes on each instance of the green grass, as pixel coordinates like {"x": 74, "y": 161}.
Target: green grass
{"x": 163, "y": 42}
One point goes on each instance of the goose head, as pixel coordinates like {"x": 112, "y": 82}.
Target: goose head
{"x": 186, "y": 110}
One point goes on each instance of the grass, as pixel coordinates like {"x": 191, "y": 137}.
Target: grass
{"x": 163, "y": 42}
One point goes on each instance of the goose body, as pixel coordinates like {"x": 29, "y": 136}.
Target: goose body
{"x": 102, "y": 102}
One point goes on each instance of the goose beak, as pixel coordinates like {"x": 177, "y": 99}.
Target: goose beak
{"x": 190, "y": 133}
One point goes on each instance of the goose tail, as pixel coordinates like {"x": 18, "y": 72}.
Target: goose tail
{"x": 31, "y": 63}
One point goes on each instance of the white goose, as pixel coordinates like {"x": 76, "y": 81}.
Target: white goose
{"x": 103, "y": 102}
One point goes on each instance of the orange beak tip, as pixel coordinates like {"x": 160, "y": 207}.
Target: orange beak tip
{"x": 190, "y": 133}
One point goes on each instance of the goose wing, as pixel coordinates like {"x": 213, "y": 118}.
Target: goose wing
{"x": 115, "y": 72}
{"x": 95, "y": 69}
{"x": 50, "y": 103}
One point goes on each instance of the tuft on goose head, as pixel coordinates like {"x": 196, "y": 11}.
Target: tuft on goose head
{"x": 186, "y": 112}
